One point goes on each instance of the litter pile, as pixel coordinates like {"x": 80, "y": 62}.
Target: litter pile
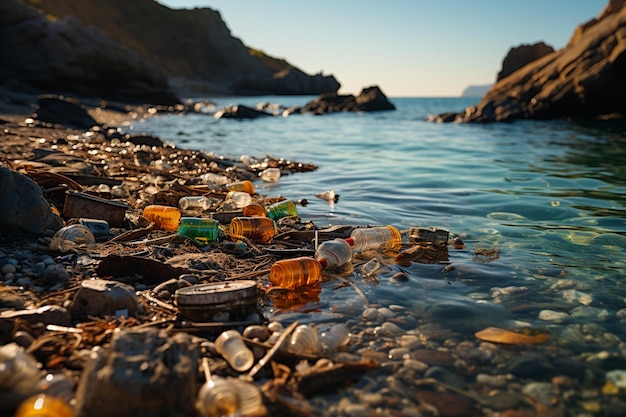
{"x": 143, "y": 290}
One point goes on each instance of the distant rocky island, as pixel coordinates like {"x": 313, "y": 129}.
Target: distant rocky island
{"x": 476, "y": 90}
{"x": 585, "y": 79}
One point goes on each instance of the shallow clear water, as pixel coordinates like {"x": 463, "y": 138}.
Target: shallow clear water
{"x": 549, "y": 195}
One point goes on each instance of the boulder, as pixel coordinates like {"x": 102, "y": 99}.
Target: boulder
{"x": 64, "y": 111}
{"x": 586, "y": 79}
{"x": 370, "y": 99}
{"x": 240, "y": 112}
{"x": 522, "y": 55}
{"x": 23, "y": 204}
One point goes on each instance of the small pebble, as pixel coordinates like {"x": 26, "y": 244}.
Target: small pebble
{"x": 8, "y": 268}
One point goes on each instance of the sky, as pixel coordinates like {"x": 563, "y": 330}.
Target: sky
{"x": 415, "y": 48}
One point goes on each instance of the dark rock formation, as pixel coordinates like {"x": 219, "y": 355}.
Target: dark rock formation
{"x": 194, "y": 48}
{"x": 63, "y": 56}
{"x": 586, "y": 79}
{"x": 23, "y": 204}
{"x": 370, "y": 99}
{"x": 64, "y": 111}
{"x": 240, "y": 112}
{"x": 521, "y": 56}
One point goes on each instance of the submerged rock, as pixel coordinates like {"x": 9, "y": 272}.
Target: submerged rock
{"x": 370, "y": 99}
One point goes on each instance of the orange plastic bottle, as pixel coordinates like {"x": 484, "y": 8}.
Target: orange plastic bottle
{"x": 257, "y": 229}
{"x": 43, "y": 405}
{"x": 295, "y": 272}
{"x": 245, "y": 186}
{"x": 164, "y": 217}
{"x": 253, "y": 210}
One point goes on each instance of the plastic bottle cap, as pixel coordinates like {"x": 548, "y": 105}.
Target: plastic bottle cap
{"x": 350, "y": 241}
{"x": 323, "y": 262}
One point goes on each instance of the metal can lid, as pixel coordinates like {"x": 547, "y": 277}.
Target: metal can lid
{"x": 215, "y": 293}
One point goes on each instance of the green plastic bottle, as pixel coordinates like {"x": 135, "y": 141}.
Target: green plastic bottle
{"x": 202, "y": 230}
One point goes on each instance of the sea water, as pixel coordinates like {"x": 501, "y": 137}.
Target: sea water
{"x": 547, "y": 198}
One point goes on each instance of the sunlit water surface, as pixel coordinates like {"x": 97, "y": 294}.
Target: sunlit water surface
{"x": 550, "y": 196}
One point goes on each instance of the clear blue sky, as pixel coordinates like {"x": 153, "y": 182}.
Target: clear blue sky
{"x": 407, "y": 47}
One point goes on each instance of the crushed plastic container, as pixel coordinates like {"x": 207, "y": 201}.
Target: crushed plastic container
{"x": 295, "y": 272}
{"x": 239, "y": 199}
{"x": 270, "y": 174}
{"x": 69, "y": 237}
{"x": 375, "y": 237}
{"x": 335, "y": 337}
{"x": 304, "y": 339}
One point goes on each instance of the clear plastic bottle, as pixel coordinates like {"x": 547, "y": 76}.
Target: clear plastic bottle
{"x": 257, "y": 229}
{"x": 245, "y": 186}
{"x": 43, "y": 405}
{"x": 335, "y": 337}
{"x": 281, "y": 209}
{"x": 295, "y": 272}
{"x": 238, "y": 199}
{"x": 334, "y": 253}
{"x": 194, "y": 202}
{"x": 304, "y": 339}
{"x": 250, "y": 398}
{"x": 270, "y": 174}
{"x": 231, "y": 346}
{"x": 375, "y": 237}
{"x": 218, "y": 397}
{"x": 217, "y": 179}
{"x": 202, "y": 230}
{"x": 370, "y": 267}
{"x": 69, "y": 237}
{"x": 254, "y": 210}
{"x": 164, "y": 217}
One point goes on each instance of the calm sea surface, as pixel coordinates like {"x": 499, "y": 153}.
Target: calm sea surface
{"x": 550, "y": 196}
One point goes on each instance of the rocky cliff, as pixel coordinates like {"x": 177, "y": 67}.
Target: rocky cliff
{"x": 44, "y": 54}
{"x": 194, "y": 48}
{"x": 586, "y": 79}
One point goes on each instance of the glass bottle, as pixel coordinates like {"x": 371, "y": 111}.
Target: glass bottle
{"x": 334, "y": 253}
{"x": 295, "y": 272}
{"x": 304, "y": 339}
{"x": 257, "y": 229}
{"x": 164, "y": 217}
{"x": 231, "y": 346}
{"x": 375, "y": 237}
{"x": 281, "y": 209}
{"x": 194, "y": 202}
{"x": 253, "y": 210}
{"x": 42, "y": 405}
{"x": 238, "y": 199}
{"x": 202, "y": 230}
{"x": 245, "y": 186}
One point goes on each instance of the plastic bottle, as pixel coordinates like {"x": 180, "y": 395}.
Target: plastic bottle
{"x": 238, "y": 199}
{"x": 337, "y": 336}
{"x": 218, "y": 397}
{"x": 295, "y": 272}
{"x": 42, "y": 405}
{"x": 369, "y": 267}
{"x": 250, "y": 398}
{"x": 231, "y": 346}
{"x": 257, "y": 229}
{"x": 375, "y": 237}
{"x": 281, "y": 209}
{"x": 202, "y": 230}
{"x": 164, "y": 217}
{"x": 195, "y": 202}
{"x": 270, "y": 174}
{"x": 245, "y": 186}
{"x": 304, "y": 339}
{"x": 253, "y": 210}
{"x": 69, "y": 237}
{"x": 216, "y": 179}
{"x": 334, "y": 253}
